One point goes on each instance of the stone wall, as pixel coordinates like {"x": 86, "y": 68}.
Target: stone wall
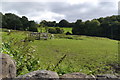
{"x": 8, "y": 70}
{"x": 8, "y": 66}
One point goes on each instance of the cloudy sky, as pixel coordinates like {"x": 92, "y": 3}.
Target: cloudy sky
{"x": 70, "y": 10}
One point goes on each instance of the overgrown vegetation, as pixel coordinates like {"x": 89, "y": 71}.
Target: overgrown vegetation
{"x": 22, "y": 52}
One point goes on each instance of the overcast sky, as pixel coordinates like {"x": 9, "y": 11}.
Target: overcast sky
{"x": 70, "y": 10}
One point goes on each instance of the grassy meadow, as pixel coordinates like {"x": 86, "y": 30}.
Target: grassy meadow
{"x": 90, "y": 55}
{"x": 83, "y": 55}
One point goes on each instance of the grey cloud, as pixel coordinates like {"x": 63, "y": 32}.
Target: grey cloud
{"x": 23, "y": 7}
{"x": 72, "y": 12}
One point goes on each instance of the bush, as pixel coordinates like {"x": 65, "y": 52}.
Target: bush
{"x": 56, "y": 30}
{"x": 33, "y": 29}
{"x": 52, "y": 30}
{"x": 59, "y": 30}
{"x": 22, "y": 52}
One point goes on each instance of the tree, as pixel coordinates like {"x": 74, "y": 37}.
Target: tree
{"x": 12, "y": 21}
{"x": 79, "y": 28}
{"x": 106, "y": 29}
{"x": 25, "y": 23}
{"x": 51, "y": 23}
{"x": 33, "y": 26}
{"x": 43, "y": 23}
{"x": 92, "y": 27}
{"x": 63, "y": 23}
{"x": 115, "y": 30}
{"x": 71, "y": 24}
{"x": 1, "y": 15}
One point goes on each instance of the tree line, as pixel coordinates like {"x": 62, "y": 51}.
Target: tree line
{"x": 102, "y": 27}
{"x": 12, "y": 21}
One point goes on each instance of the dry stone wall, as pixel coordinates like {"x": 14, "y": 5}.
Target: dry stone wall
{"x": 8, "y": 70}
{"x": 8, "y": 66}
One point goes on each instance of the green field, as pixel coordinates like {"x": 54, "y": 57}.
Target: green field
{"x": 90, "y": 55}
{"x": 82, "y": 55}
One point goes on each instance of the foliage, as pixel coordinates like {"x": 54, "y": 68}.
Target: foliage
{"x": 23, "y": 53}
{"x": 25, "y": 23}
{"x": 52, "y": 30}
{"x": 78, "y": 28}
{"x": 33, "y": 26}
{"x": 48, "y": 23}
{"x": 56, "y": 30}
{"x": 59, "y": 30}
{"x": 63, "y": 23}
{"x": 12, "y": 21}
{"x": 45, "y": 29}
{"x": 102, "y": 27}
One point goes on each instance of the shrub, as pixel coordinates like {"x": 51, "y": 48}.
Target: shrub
{"x": 59, "y": 30}
{"x": 22, "y": 52}
{"x": 33, "y": 29}
{"x": 52, "y": 30}
{"x": 56, "y": 30}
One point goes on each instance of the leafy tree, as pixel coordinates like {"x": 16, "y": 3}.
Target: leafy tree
{"x": 71, "y": 24}
{"x": 1, "y": 15}
{"x": 25, "y": 23}
{"x": 4, "y": 23}
{"x": 13, "y": 21}
{"x": 101, "y": 19}
{"x": 63, "y": 23}
{"x": 51, "y": 23}
{"x": 33, "y": 26}
{"x": 43, "y": 23}
{"x": 115, "y": 30}
{"x": 118, "y": 18}
{"x": 79, "y": 28}
{"x": 93, "y": 27}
